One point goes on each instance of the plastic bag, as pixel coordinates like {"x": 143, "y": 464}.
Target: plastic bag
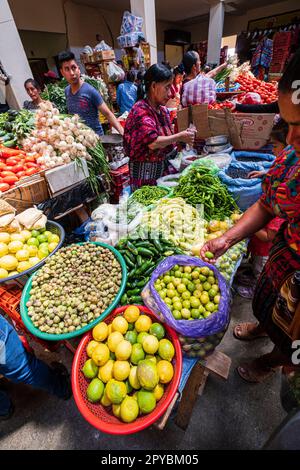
{"x": 131, "y": 23}
{"x": 169, "y": 181}
{"x": 102, "y": 46}
{"x": 131, "y": 39}
{"x": 202, "y": 162}
{"x": 255, "y": 157}
{"x": 215, "y": 323}
{"x": 246, "y": 191}
{"x": 115, "y": 73}
{"x": 251, "y": 98}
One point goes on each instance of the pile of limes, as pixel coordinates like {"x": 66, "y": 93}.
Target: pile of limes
{"x": 129, "y": 364}
{"x": 22, "y": 250}
{"x": 190, "y": 292}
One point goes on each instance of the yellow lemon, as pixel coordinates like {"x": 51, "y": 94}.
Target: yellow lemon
{"x": 109, "y": 329}
{"x": 4, "y": 237}
{"x": 22, "y": 255}
{"x": 25, "y": 234}
{"x": 106, "y": 372}
{"x": 17, "y": 236}
{"x": 100, "y": 331}
{"x": 13, "y": 273}
{"x": 90, "y": 347}
{"x": 34, "y": 260}
{"x": 132, "y": 313}
{"x": 15, "y": 246}
{"x": 166, "y": 350}
{"x": 150, "y": 344}
{"x": 158, "y": 391}
{"x": 165, "y": 371}
{"x": 143, "y": 323}
{"x": 8, "y": 262}
{"x": 52, "y": 246}
{"x": 116, "y": 391}
{"x": 119, "y": 324}
{"x": 33, "y": 250}
{"x": 123, "y": 350}
{"x": 121, "y": 370}
{"x": 113, "y": 340}
{"x": 3, "y": 249}
{"x": 3, "y": 273}
{"x": 100, "y": 354}
{"x": 105, "y": 401}
{"x": 133, "y": 379}
{"x": 23, "y": 266}
{"x": 116, "y": 409}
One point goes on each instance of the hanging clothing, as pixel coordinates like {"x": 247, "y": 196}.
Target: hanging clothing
{"x": 263, "y": 54}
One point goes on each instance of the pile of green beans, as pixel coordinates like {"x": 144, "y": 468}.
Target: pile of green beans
{"x": 199, "y": 186}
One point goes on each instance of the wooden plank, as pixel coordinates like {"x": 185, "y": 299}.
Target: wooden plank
{"x": 189, "y": 396}
{"x": 218, "y": 363}
{"x": 160, "y": 424}
{"x": 202, "y": 386}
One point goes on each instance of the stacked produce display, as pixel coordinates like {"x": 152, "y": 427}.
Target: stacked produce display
{"x": 130, "y": 364}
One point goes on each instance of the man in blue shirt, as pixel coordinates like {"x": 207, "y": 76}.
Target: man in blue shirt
{"x": 82, "y": 98}
{"x": 127, "y": 93}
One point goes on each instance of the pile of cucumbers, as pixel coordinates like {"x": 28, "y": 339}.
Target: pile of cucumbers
{"x": 7, "y": 137}
{"x": 141, "y": 257}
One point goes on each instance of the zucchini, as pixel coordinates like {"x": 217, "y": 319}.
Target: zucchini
{"x": 10, "y": 143}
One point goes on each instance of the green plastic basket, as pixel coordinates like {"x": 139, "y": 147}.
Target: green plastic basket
{"x": 53, "y": 337}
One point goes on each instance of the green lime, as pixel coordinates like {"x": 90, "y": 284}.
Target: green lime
{"x": 157, "y": 330}
{"x": 42, "y": 238}
{"x": 33, "y": 241}
{"x": 95, "y": 390}
{"x": 35, "y": 233}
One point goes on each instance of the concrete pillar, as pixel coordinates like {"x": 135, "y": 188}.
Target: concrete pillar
{"x": 13, "y": 57}
{"x": 146, "y": 9}
{"x": 215, "y": 32}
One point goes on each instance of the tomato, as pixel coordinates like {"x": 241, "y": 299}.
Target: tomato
{"x": 7, "y": 173}
{"x": 31, "y": 171}
{"x": 4, "y": 187}
{"x": 10, "y": 179}
{"x": 18, "y": 168}
{"x": 32, "y": 165}
{"x": 29, "y": 158}
{"x": 20, "y": 173}
{"x": 13, "y": 160}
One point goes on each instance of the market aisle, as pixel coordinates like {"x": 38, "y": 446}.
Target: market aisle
{"x": 230, "y": 415}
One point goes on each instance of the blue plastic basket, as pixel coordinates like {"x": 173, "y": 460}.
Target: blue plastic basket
{"x": 53, "y": 337}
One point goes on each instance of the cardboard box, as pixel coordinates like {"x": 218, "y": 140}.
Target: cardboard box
{"x": 245, "y": 131}
{"x": 105, "y": 55}
{"x": 62, "y": 178}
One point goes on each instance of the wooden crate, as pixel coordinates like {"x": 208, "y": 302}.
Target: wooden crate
{"x": 32, "y": 191}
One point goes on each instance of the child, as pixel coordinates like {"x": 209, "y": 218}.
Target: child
{"x": 261, "y": 242}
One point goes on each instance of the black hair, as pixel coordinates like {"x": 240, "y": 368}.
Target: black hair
{"x": 178, "y": 70}
{"x": 65, "y": 56}
{"x": 156, "y": 73}
{"x": 32, "y": 82}
{"x": 291, "y": 74}
{"x": 189, "y": 59}
{"x": 140, "y": 75}
{"x": 130, "y": 76}
{"x": 280, "y": 132}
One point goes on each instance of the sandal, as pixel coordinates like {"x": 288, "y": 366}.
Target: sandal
{"x": 245, "y": 332}
{"x": 254, "y": 373}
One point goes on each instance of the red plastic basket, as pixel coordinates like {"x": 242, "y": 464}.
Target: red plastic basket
{"x": 101, "y": 417}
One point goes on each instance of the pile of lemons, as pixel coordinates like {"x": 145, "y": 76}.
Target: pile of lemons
{"x": 22, "y": 250}
{"x": 129, "y": 364}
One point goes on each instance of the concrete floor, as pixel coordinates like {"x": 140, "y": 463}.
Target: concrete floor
{"x": 229, "y": 415}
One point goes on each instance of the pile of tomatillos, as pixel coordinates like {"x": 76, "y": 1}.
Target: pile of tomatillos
{"x": 73, "y": 288}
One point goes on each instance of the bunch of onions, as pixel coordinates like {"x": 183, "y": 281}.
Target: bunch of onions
{"x": 59, "y": 139}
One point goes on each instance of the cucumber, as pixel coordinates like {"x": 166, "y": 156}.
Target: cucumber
{"x": 7, "y": 137}
{"x": 10, "y": 143}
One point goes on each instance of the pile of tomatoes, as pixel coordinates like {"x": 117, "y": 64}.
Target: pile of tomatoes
{"x": 223, "y": 105}
{"x": 15, "y": 165}
{"x": 267, "y": 90}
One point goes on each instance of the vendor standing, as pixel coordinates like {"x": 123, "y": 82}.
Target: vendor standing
{"x": 149, "y": 141}
{"x": 82, "y": 98}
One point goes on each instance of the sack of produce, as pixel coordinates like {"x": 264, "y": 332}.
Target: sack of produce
{"x": 115, "y": 73}
{"x": 6, "y": 219}
{"x": 256, "y": 157}
{"x": 29, "y": 217}
{"x": 193, "y": 298}
{"x": 246, "y": 191}
{"x": 6, "y": 208}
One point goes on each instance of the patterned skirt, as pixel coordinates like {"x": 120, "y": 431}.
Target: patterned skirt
{"x": 145, "y": 173}
{"x": 282, "y": 263}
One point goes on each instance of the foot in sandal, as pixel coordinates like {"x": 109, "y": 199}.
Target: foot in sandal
{"x": 248, "y": 331}
{"x": 254, "y": 372}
